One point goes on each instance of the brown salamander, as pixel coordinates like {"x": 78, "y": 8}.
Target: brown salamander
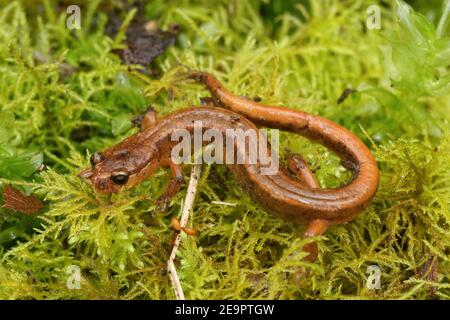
{"x": 301, "y": 200}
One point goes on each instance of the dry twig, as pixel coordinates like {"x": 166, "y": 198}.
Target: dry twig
{"x": 187, "y": 208}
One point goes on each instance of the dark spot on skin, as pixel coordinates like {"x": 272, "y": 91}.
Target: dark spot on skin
{"x": 123, "y": 154}
{"x": 235, "y": 118}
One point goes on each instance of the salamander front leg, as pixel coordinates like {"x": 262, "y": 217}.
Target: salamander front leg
{"x": 147, "y": 120}
{"x": 174, "y": 185}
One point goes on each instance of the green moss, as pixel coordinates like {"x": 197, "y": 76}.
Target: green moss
{"x": 64, "y": 92}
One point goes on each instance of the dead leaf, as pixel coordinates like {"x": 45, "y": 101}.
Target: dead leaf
{"x": 144, "y": 40}
{"x": 14, "y": 199}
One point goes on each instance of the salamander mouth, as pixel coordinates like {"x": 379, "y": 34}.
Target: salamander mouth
{"x": 86, "y": 174}
{"x": 99, "y": 185}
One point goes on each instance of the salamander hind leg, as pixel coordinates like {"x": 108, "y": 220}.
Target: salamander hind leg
{"x": 315, "y": 228}
{"x": 300, "y": 168}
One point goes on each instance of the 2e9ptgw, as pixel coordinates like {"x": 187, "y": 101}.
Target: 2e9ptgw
{"x": 228, "y": 309}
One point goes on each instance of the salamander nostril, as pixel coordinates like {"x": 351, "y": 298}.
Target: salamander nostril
{"x": 101, "y": 184}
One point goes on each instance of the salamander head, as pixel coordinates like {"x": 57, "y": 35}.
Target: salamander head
{"x": 118, "y": 168}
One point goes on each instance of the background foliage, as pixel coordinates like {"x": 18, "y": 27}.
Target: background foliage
{"x": 63, "y": 92}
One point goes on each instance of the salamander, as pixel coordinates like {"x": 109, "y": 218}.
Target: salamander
{"x": 299, "y": 198}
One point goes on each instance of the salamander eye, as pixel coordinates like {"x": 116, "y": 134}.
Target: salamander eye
{"x": 120, "y": 177}
{"x": 96, "y": 158}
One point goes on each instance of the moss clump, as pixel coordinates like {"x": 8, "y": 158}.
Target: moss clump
{"x": 63, "y": 92}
